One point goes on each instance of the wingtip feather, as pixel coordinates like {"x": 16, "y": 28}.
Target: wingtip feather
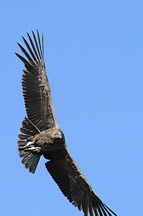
{"x": 22, "y": 59}
{"x": 35, "y": 48}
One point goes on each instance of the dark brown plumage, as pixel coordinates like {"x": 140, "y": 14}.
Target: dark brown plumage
{"x": 41, "y": 135}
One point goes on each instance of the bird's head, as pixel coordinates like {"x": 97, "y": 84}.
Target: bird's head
{"x": 56, "y": 134}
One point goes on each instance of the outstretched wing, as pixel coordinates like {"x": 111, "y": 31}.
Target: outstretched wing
{"x": 75, "y": 187}
{"x": 36, "y": 90}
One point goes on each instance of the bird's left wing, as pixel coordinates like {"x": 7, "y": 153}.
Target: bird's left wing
{"x": 36, "y": 89}
{"x": 75, "y": 187}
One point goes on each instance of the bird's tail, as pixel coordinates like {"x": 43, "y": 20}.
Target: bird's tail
{"x": 29, "y": 159}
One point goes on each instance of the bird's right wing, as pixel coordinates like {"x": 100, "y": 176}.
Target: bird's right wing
{"x": 37, "y": 98}
{"x": 75, "y": 187}
{"x": 36, "y": 89}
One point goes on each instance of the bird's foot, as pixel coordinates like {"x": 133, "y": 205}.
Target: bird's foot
{"x": 33, "y": 149}
{"x": 30, "y": 147}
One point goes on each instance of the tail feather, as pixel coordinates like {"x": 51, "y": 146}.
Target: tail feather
{"x": 29, "y": 159}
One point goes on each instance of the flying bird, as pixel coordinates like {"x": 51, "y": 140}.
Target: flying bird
{"x": 40, "y": 135}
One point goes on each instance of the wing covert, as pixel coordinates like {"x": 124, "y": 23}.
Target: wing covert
{"x": 36, "y": 89}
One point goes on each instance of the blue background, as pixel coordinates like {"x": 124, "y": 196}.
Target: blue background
{"x": 94, "y": 58}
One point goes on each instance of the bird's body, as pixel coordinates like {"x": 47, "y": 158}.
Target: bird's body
{"x": 40, "y": 134}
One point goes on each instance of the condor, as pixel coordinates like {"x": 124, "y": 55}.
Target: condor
{"x": 40, "y": 135}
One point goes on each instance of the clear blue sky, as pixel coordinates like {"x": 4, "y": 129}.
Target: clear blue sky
{"x": 94, "y": 57}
